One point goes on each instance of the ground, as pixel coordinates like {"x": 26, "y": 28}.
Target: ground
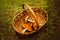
{"x": 9, "y": 8}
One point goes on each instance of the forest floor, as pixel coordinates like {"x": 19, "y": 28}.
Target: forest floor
{"x": 9, "y": 8}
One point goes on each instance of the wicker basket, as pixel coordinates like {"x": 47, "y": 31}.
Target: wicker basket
{"x": 39, "y": 15}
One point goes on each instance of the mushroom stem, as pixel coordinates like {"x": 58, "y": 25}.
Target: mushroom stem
{"x": 31, "y": 21}
{"x": 24, "y": 31}
{"x": 26, "y": 19}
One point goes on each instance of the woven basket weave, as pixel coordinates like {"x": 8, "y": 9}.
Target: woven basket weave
{"x": 27, "y": 10}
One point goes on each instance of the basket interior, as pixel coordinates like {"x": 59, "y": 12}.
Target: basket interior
{"x": 18, "y": 19}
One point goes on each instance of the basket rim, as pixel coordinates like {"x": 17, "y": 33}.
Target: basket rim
{"x": 21, "y": 12}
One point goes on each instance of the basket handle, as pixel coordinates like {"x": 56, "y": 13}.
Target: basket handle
{"x": 32, "y": 12}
